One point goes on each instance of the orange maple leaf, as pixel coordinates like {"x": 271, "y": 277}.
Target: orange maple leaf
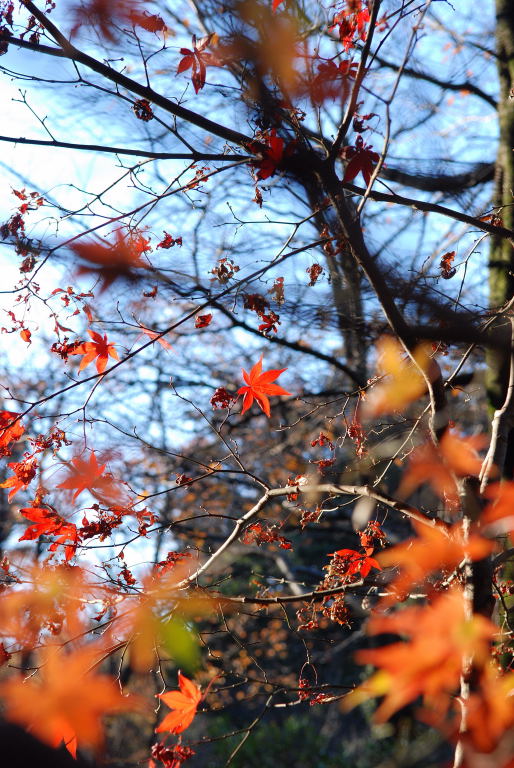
{"x": 430, "y": 663}
{"x": 490, "y": 710}
{"x": 184, "y": 704}
{"x": 501, "y": 509}
{"x": 47, "y": 597}
{"x": 259, "y": 386}
{"x": 403, "y": 380}
{"x": 89, "y": 475}
{"x": 98, "y": 348}
{"x": 24, "y": 473}
{"x": 114, "y": 260}
{"x": 9, "y": 432}
{"x": 440, "y": 465}
{"x": 154, "y": 335}
{"x": 68, "y": 701}
{"x": 434, "y": 550}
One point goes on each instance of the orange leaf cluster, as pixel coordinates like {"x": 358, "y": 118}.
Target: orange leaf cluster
{"x": 440, "y": 465}
{"x": 435, "y": 549}
{"x": 10, "y": 431}
{"x": 500, "y": 511}
{"x": 490, "y": 712}
{"x": 430, "y": 662}
{"x": 44, "y": 599}
{"x": 47, "y": 522}
{"x": 24, "y": 473}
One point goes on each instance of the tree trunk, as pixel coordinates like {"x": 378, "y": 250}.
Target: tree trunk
{"x": 501, "y": 264}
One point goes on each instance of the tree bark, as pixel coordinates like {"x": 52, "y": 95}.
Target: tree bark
{"x": 501, "y": 262}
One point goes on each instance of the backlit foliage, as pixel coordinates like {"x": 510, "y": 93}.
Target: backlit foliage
{"x": 180, "y": 533}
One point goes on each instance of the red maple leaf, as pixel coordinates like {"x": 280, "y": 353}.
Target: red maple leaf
{"x": 87, "y": 475}
{"x": 98, "y": 348}
{"x": 272, "y": 155}
{"x": 184, "y": 704}
{"x": 48, "y": 523}
{"x": 362, "y": 159}
{"x": 332, "y": 80}
{"x": 169, "y": 241}
{"x": 150, "y": 22}
{"x": 259, "y": 386}
{"x": 202, "y": 321}
{"x": 197, "y": 60}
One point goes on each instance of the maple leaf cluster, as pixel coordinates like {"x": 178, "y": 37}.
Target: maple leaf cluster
{"x": 351, "y": 23}
{"x": 47, "y": 522}
{"x": 15, "y": 226}
{"x": 24, "y": 473}
{"x": 222, "y": 399}
{"x": 272, "y": 152}
{"x": 260, "y": 533}
{"x": 170, "y": 757}
{"x": 11, "y": 430}
{"x": 224, "y": 270}
{"x": 258, "y": 304}
{"x": 447, "y": 270}
{"x": 430, "y": 664}
{"x": 143, "y": 110}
